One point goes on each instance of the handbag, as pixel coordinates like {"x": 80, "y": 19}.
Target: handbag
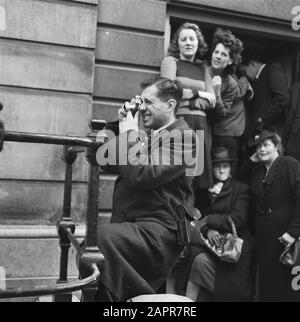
{"x": 291, "y": 254}
{"x": 230, "y": 247}
{"x": 186, "y": 221}
{"x": 183, "y": 217}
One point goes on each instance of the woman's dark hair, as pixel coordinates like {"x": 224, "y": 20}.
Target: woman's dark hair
{"x": 276, "y": 139}
{"x": 235, "y": 45}
{"x": 202, "y": 45}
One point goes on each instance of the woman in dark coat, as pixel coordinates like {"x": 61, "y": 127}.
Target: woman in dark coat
{"x": 228, "y": 117}
{"x": 210, "y": 278}
{"x": 275, "y": 186}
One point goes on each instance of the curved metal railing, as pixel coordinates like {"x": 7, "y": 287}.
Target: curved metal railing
{"x": 57, "y": 289}
{"x": 90, "y": 258}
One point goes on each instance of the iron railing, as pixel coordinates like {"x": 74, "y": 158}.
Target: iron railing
{"x": 89, "y": 257}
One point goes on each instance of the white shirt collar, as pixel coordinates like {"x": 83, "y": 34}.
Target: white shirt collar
{"x": 259, "y": 71}
{"x": 162, "y": 128}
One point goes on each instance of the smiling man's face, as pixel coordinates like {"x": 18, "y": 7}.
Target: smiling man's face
{"x": 155, "y": 112}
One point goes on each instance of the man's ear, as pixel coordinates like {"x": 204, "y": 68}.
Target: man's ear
{"x": 172, "y": 104}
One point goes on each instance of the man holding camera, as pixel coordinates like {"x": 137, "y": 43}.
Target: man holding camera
{"x": 141, "y": 244}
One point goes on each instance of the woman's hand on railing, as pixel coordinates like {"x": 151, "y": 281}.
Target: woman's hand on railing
{"x": 208, "y": 96}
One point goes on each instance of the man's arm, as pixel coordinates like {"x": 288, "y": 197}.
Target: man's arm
{"x": 243, "y": 88}
{"x": 107, "y": 155}
{"x": 163, "y": 165}
{"x": 280, "y": 95}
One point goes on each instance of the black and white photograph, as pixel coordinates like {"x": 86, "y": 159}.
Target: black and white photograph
{"x": 149, "y": 152}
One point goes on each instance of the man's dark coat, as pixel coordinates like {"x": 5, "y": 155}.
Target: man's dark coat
{"x": 140, "y": 245}
{"x": 271, "y": 99}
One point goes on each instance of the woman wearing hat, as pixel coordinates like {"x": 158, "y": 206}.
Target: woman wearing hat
{"x": 275, "y": 186}
{"x": 209, "y": 278}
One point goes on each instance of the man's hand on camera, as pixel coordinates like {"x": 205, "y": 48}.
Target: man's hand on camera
{"x": 127, "y": 121}
{"x": 122, "y": 113}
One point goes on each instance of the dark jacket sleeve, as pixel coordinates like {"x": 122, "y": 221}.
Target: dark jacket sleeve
{"x": 225, "y": 101}
{"x": 292, "y": 117}
{"x": 294, "y": 179}
{"x": 280, "y": 95}
{"x": 201, "y": 104}
{"x": 164, "y": 164}
{"x": 239, "y": 212}
{"x": 112, "y": 131}
{"x": 243, "y": 87}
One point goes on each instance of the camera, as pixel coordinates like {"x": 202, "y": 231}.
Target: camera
{"x": 133, "y": 105}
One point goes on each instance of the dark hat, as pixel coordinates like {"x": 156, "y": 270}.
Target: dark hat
{"x": 257, "y": 138}
{"x": 221, "y": 154}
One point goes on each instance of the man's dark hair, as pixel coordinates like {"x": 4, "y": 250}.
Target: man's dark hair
{"x": 252, "y": 55}
{"x": 167, "y": 89}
